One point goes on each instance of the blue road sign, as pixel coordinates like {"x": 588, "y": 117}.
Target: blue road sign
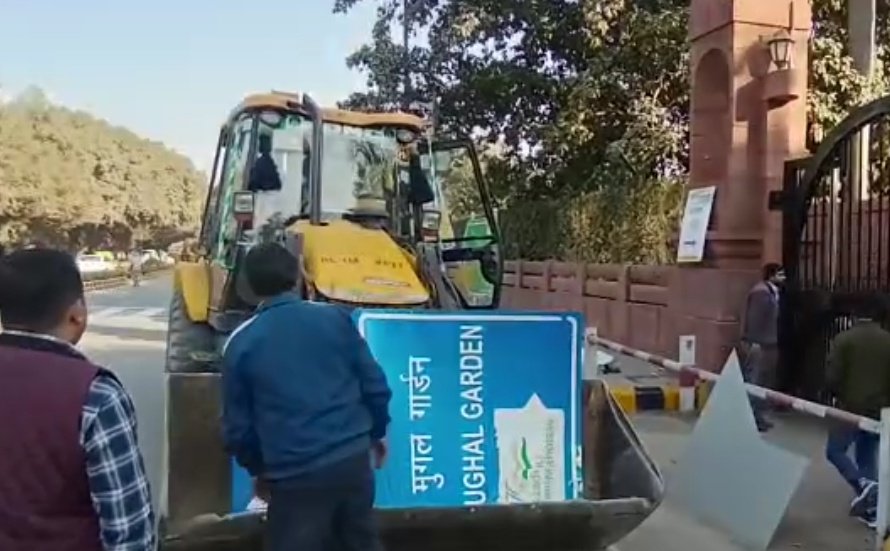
{"x": 486, "y": 407}
{"x": 242, "y": 488}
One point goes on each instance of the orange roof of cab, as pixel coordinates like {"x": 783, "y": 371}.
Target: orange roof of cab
{"x": 293, "y": 102}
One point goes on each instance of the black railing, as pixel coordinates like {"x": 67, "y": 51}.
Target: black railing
{"x": 836, "y": 210}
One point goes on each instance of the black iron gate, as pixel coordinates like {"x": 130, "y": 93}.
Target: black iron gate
{"x": 836, "y": 246}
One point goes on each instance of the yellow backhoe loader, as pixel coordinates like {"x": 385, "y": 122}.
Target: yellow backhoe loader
{"x": 377, "y": 209}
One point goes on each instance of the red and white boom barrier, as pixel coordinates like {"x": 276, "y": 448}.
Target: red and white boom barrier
{"x": 694, "y": 375}
{"x": 690, "y": 375}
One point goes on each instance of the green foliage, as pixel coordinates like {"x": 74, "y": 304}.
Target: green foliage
{"x": 836, "y": 86}
{"x": 588, "y": 103}
{"x": 456, "y": 178}
{"x": 73, "y": 181}
{"x": 607, "y": 225}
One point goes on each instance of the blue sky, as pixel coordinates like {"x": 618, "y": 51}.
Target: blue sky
{"x": 171, "y": 70}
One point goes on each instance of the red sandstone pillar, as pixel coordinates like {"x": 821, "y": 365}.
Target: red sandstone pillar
{"x": 747, "y": 118}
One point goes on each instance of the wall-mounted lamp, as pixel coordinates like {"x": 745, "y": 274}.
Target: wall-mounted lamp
{"x": 815, "y": 135}
{"x": 780, "y": 46}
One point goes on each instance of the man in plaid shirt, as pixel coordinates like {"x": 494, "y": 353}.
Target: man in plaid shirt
{"x": 118, "y": 485}
{"x": 71, "y": 474}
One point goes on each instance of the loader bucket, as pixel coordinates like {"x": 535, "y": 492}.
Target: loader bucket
{"x": 622, "y": 486}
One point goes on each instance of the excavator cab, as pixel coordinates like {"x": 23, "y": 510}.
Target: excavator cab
{"x": 295, "y": 165}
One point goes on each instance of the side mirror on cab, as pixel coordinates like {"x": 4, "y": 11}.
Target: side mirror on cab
{"x": 243, "y": 205}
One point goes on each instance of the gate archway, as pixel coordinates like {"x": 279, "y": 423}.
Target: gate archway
{"x": 836, "y": 242}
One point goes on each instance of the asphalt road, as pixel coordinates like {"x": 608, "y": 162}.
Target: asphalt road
{"x": 816, "y": 518}
{"x": 127, "y": 334}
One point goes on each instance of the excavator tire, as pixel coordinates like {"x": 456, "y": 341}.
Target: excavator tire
{"x": 190, "y": 345}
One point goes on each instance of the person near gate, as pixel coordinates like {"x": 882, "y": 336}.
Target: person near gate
{"x": 305, "y": 412}
{"x": 71, "y": 474}
{"x": 858, "y": 380}
{"x": 760, "y": 337}
{"x": 135, "y": 259}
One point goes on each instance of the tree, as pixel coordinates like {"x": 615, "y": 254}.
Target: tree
{"x": 509, "y": 69}
{"x": 835, "y": 85}
{"x": 74, "y": 181}
{"x": 587, "y": 98}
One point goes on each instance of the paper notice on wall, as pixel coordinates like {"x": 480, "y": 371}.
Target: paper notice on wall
{"x": 694, "y": 229}
{"x": 531, "y": 451}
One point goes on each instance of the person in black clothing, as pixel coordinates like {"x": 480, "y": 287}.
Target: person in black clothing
{"x": 420, "y": 191}
{"x": 264, "y": 174}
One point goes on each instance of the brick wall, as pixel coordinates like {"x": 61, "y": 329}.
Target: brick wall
{"x": 649, "y": 307}
{"x": 627, "y": 303}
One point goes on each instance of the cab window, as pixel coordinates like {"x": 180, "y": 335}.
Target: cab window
{"x": 283, "y": 155}
{"x": 209, "y": 216}
{"x": 232, "y": 180}
{"x": 464, "y": 223}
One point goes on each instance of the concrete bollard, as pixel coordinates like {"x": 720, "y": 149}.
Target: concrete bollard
{"x": 688, "y": 377}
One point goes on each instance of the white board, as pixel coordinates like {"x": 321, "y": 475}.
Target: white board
{"x": 694, "y": 229}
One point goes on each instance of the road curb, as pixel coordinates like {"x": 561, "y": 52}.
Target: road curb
{"x": 664, "y": 397}
{"x": 98, "y": 284}
{"x": 635, "y": 398}
{"x": 117, "y": 281}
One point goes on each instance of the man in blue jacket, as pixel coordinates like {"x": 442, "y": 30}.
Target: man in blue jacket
{"x": 305, "y": 410}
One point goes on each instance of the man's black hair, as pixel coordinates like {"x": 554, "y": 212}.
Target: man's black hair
{"x": 271, "y": 270}
{"x": 37, "y": 286}
{"x": 770, "y": 270}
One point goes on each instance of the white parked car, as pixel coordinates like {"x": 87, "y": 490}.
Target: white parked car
{"x": 149, "y": 254}
{"x": 93, "y": 264}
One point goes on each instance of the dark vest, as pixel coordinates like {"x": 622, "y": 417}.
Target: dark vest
{"x": 45, "y": 500}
